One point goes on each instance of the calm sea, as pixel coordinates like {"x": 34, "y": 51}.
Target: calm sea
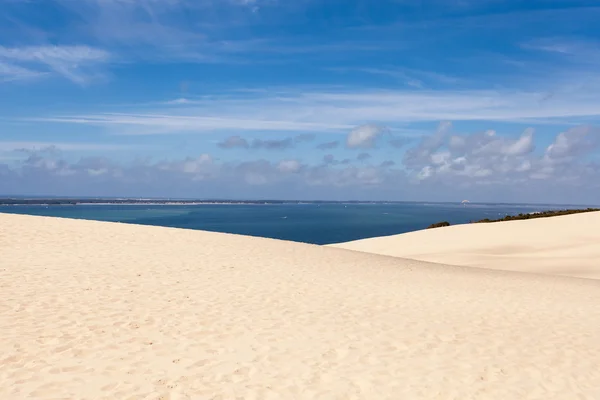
{"x": 310, "y": 223}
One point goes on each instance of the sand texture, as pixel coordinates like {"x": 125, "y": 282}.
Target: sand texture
{"x": 93, "y": 310}
{"x": 566, "y": 245}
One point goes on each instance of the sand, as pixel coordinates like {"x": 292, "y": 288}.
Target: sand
{"x": 566, "y": 245}
{"x": 94, "y": 310}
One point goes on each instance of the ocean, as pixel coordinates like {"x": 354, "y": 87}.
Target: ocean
{"x": 309, "y": 223}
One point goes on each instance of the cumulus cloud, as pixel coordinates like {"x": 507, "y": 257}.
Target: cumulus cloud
{"x": 478, "y": 164}
{"x": 363, "y": 156}
{"x": 565, "y": 158}
{"x": 483, "y": 158}
{"x": 201, "y": 167}
{"x": 421, "y": 154}
{"x": 363, "y": 136}
{"x": 37, "y": 162}
{"x": 489, "y": 143}
{"x": 45, "y": 172}
{"x": 575, "y": 142}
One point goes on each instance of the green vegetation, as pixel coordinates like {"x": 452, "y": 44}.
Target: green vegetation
{"x": 542, "y": 214}
{"x": 439, "y": 225}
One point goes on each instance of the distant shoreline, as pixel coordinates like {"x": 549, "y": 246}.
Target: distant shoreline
{"x": 155, "y": 202}
{"x": 10, "y": 201}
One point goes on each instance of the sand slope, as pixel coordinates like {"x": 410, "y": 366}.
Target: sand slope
{"x": 93, "y": 310}
{"x": 567, "y": 245}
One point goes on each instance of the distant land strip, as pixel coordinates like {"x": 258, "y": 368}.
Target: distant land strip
{"x": 13, "y": 201}
{"x": 72, "y": 201}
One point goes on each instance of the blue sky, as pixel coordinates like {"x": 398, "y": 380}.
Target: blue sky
{"x": 438, "y": 100}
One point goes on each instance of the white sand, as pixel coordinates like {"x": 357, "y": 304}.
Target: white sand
{"x": 567, "y": 245}
{"x": 93, "y": 310}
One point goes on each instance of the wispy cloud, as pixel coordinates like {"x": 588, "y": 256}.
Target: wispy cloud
{"x": 29, "y": 146}
{"x": 411, "y": 77}
{"x": 203, "y": 31}
{"x": 341, "y": 111}
{"x": 10, "y": 72}
{"x": 143, "y": 124}
{"x": 75, "y": 63}
{"x": 562, "y": 45}
{"x": 168, "y": 30}
{"x": 574, "y": 50}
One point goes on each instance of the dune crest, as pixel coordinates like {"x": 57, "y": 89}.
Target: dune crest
{"x": 94, "y": 310}
{"x": 566, "y": 245}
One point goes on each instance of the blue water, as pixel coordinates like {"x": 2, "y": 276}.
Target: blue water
{"x": 310, "y": 223}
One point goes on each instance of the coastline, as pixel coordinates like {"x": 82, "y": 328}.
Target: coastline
{"x": 18, "y": 201}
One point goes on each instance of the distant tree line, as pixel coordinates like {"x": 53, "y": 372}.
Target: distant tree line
{"x": 542, "y": 214}
{"x": 439, "y": 225}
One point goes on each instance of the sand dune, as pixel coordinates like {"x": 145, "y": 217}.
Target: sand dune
{"x": 567, "y": 245}
{"x": 93, "y": 310}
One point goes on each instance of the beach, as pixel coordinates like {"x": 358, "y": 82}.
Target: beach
{"x": 100, "y": 310}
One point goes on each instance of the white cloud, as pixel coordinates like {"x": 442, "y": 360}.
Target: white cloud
{"x": 181, "y": 100}
{"x": 10, "y": 72}
{"x": 75, "y": 63}
{"x": 565, "y": 157}
{"x": 574, "y": 142}
{"x": 190, "y": 165}
{"x": 54, "y": 54}
{"x": 485, "y": 159}
{"x": 363, "y": 136}
{"x": 576, "y": 50}
{"x": 522, "y": 146}
{"x": 289, "y": 166}
{"x": 411, "y": 77}
{"x": 490, "y": 144}
{"x": 164, "y": 30}
{"x": 429, "y": 145}
{"x": 437, "y": 168}
{"x": 309, "y": 111}
{"x": 144, "y": 124}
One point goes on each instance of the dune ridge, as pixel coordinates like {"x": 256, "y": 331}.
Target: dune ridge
{"x": 96, "y": 310}
{"x": 567, "y": 245}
